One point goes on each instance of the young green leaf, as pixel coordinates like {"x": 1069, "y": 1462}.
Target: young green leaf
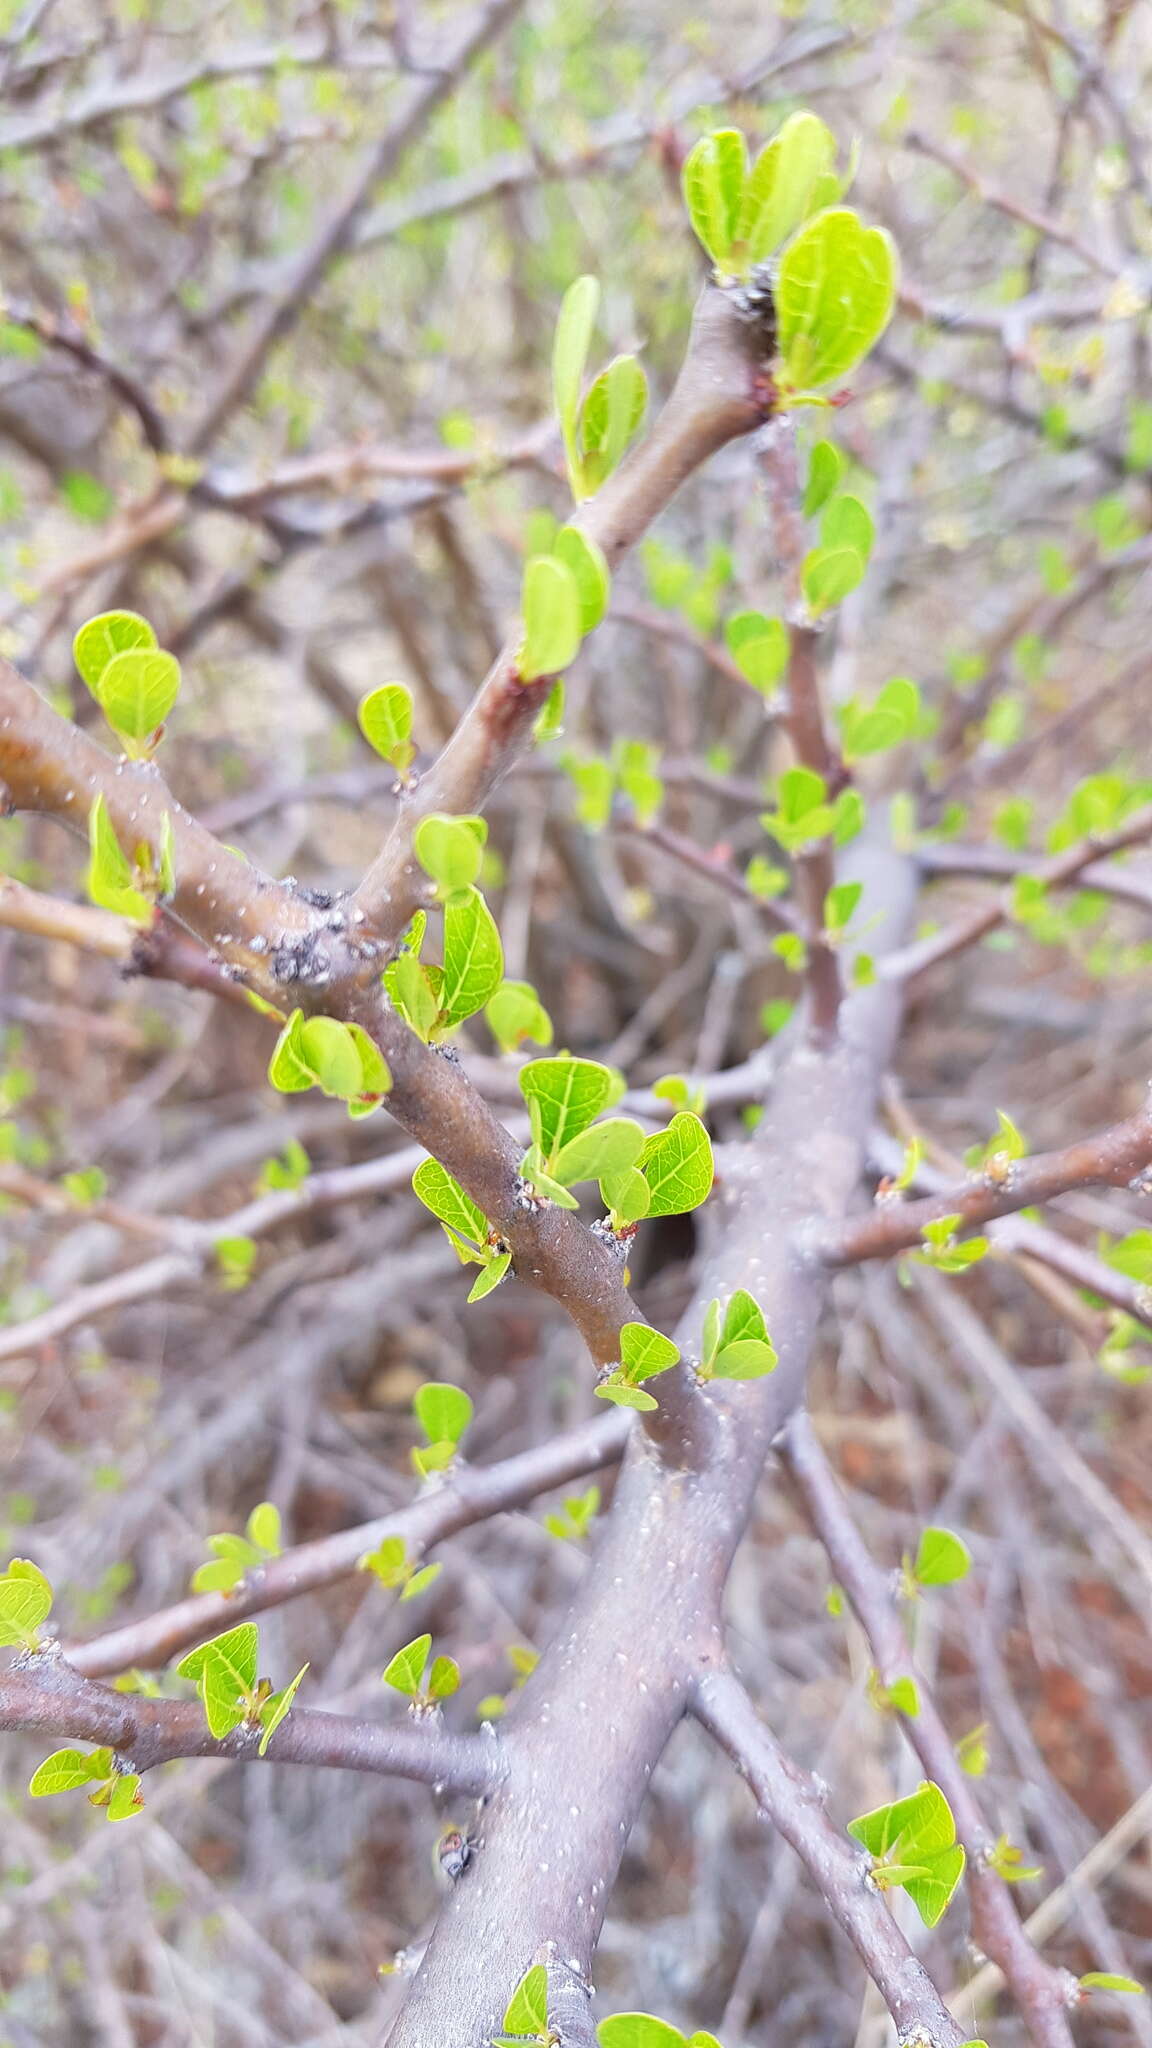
{"x": 435, "y": 1187}
{"x": 385, "y": 719}
{"x": 406, "y": 1671}
{"x": 515, "y": 1013}
{"x": 491, "y": 1276}
{"x": 779, "y": 191}
{"x": 473, "y": 957}
{"x": 847, "y": 523}
{"x": 825, "y": 468}
{"x": 276, "y": 1709}
{"x": 638, "y": 2030}
{"x": 443, "y": 1679}
{"x": 941, "y": 1558}
{"x": 677, "y": 1165}
{"x": 224, "y": 1671}
{"x": 527, "y": 2009}
{"x": 110, "y": 878}
{"x": 125, "y": 1797}
{"x": 443, "y": 1412}
{"x": 759, "y": 647}
{"x": 617, "y": 1389}
{"x": 25, "y": 1603}
{"x": 137, "y": 691}
{"x": 412, "y": 991}
{"x": 645, "y": 1352}
{"x": 1107, "y": 1980}
{"x": 609, "y": 418}
{"x": 584, "y": 560}
{"x": 573, "y": 339}
{"x": 834, "y": 296}
{"x": 829, "y": 575}
{"x": 67, "y": 1769}
{"x": 739, "y": 1348}
{"x": 103, "y": 638}
{"x": 553, "y": 612}
{"x": 563, "y": 1096}
{"x": 450, "y": 850}
{"x": 602, "y": 1151}
{"x": 713, "y": 185}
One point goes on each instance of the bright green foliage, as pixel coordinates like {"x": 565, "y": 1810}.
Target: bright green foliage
{"x": 996, "y": 1159}
{"x": 25, "y": 1603}
{"x": 580, "y": 1511}
{"x": 1107, "y": 1980}
{"x": 972, "y": 1751}
{"x": 901, "y": 1697}
{"x": 1008, "y": 1862}
{"x": 385, "y": 719}
{"x": 553, "y": 618}
{"x": 465, "y": 1226}
{"x": 564, "y": 1095}
{"x": 913, "y": 1844}
{"x": 391, "y": 1564}
{"x": 759, "y": 647}
{"x": 764, "y": 878}
{"x": 942, "y": 1558}
{"x": 597, "y": 430}
{"x": 526, "y": 2013}
{"x": 677, "y": 1089}
{"x": 834, "y": 297}
{"x": 443, "y": 1413}
{"x": 450, "y": 850}
{"x": 287, "y": 1172}
{"x": 803, "y": 814}
{"x": 111, "y": 880}
{"x": 134, "y": 683}
{"x": 584, "y": 560}
{"x": 847, "y": 523}
{"x": 340, "y": 1059}
{"x": 828, "y": 576}
{"x": 895, "y": 716}
{"x": 224, "y": 1673}
{"x": 942, "y": 1248}
{"x": 473, "y": 959}
{"x": 409, "y": 1673}
{"x": 641, "y": 2030}
{"x": 840, "y": 906}
{"x": 675, "y": 583}
{"x": 677, "y": 1165}
{"x": 825, "y": 468}
{"x": 514, "y": 1013}
{"x": 1012, "y": 823}
{"x": 743, "y": 214}
{"x": 735, "y": 1343}
{"x": 86, "y": 1185}
{"x": 634, "y": 762}
{"x": 67, "y": 1770}
{"x": 235, "y": 1260}
{"x": 570, "y": 347}
{"x": 235, "y": 1556}
{"x": 643, "y": 1354}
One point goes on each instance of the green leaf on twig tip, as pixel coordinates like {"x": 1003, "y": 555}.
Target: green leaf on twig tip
{"x": 339, "y": 1059}
{"x": 941, "y": 1558}
{"x": 900, "y": 1697}
{"x": 759, "y": 647}
{"x": 414, "y": 991}
{"x": 638, "y": 2030}
{"x": 644, "y": 1352}
{"x": 573, "y": 339}
{"x": 713, "y": 181}
{"x": 791, "y": 174}
{"x": 564, "y": 1095}
{"x": 25, "y": 1603}
{"x": 494, "y": 1272}
{"x": 101, "y": 639}
{"x": 913, "y": 1844}
{"x": 677, "y": 1165}
{"x": 224, "y": 1672}
{"x": 111, "y": 880}
{"x": 737, "y": 1346}
{"x": 276, "y": 1708}
{"x": 458, "y": 1213}
{"x": 385, "y": 719}
{"x": 442, "y": 1411}
{"x": 450, "y": 850}
{"x": 828, "y": 576}
{"x": 895, "y": 716}
{"x": 473, "y": 957}
{"x": 847, "y": 523}
{"x": 584, "y": 560}
{"x": 835, "y": 292}
{"x": 1008, "y": 1863}
{"x": 609, "y": 419}
{"x": 679, "y": 1090}
{"x": 825, "y": 468}
{"x": 1107, "y": 1980}
{"x": 406, "y": 1670}
{"x": 66, "y": 1770}
{"x": 600, "y": 1152}
{"x": 552, "y": 609}
{"x": 580, "y": 1511}
{"x": 233, "y": 1557}
{"x": 942, "y": 1249}
{"x": 137, "y": 691}
{"x": 515, "y": 1013}
{"x": 616, "y": 1389}
{"x": 527, "y": 2010}
{"x": 840, "y": 906}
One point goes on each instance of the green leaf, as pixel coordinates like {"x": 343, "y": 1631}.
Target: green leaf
{"x": 759, "y": 647}
{"x": 637, "y": 2030}
{"x": 848, "y": 524}
{"x": 713, "y": 184}
{"x": 110, "y": 879}
{"x": 493, "y": 1273}
{"x": 125, "y": 1798}
{"x": 573, "y": 339}
{"x": 443, "y": 1412}
{"x": 1107, "y": 1980}
{"x": 627, "y": 1194}
{"x": 224, "y": 1671}
{"x": 584, "y": 560}
{"x": 411, "y": 992}
{"x": 67, "y": 1769}
{"x": 276, "y": 1709}
{"x": 385, "y": 719}
{"x": 840, "y": 905}
{"x": 263, "y": 1528}
{"x": 553, "y": 618}
{"x": 473, "y": 957}
{"x": 515, "y": 1013}
{"x": 609, "y": 418}
{"x": 932, "y": 1894}
{"x": 443, "y": 1679}
{"x": 605, "y": 1149}
{"x": 644, "y": 1352}
{"x": 834, "y": 296}
{"x": 375, "y": 1073}
{"x": 624, "y": 1396}
{"x": 102, "y": 638}
{"x": 450, "y": 850}
{"x": 825, "y": 468}
{"x": 137, "y": 691}
{"x": 920, "y": 1823}
{"x": 741, "y": 1348}
{"x": 25, "y": 1602}
{"x": 941, "y": 1559}
{"x": 527, "y": 2009}
{"x": 406, "y": 1670}
{"x": 563, "y": 1096}
{"x": 435, "y": 1187}
{"x": 677, "y": 1165}
{"x": 779, "y": 191}
{"x": 829, "y": 575}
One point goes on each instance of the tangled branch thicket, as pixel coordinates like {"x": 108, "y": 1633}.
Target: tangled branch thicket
{"x": 829, "y": 872}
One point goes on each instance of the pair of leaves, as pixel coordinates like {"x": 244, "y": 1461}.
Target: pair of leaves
{"x": 833, "y": 570}
{"x": 67, "y": 1770}
{"x": 465, "y": 1225}
{"x": 804, "y": 815}
{"x": 340, "y": 1059}
{"x": 759, "y": 647}
{"x": 736, "y": 1345}
{"x": 385, "y": 719}
{"x": 406, "y": 1674}
{"x": 129, "y": 887}
{"x": 597, "y": 429}
{"x": 436, "y": 1000}
{"x": 515, "y": 1013}
{"x": 644, "y": 1353}
{"x": 895, "y": 717}
{"x": 25, "y": 1604}
{"x": 834, "y": 293}
{"x": 913, "y": 1842}
{"x": 580, "y": 1511}
{"x": 942, "y": 1559}
{"x": 132, "y": 680}
{"x": 665, "y": 1174}
{"x": 444, "y": 1413}
{"x": 564, "y": 595}
{"x": 235, "y": 1556}
{"x": 742, "y": 214}
{"x": 942, "y": 1249}
{"x": 224, "y": 1674}
{"x": 391, "y": 1564}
